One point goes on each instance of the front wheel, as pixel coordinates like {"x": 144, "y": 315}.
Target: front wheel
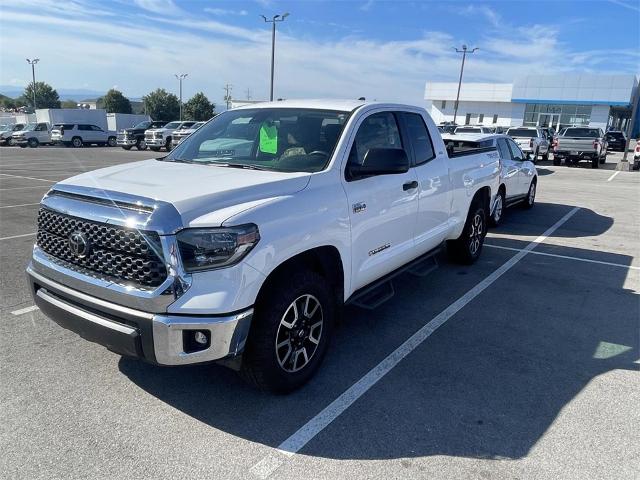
{"x": 112, "y": 142}
{"x": 11, "y": 142}
{"x": 167, "y": 145}
{"x": 498, "y": 210}
{"x": 141, "y": 144}
{"x": 290, "y": 332}
{"x": 126, "y": 147}
{"x": 466, "y": 248}
{"x": 531, "y": 196}
{"x": 33, "y": 143}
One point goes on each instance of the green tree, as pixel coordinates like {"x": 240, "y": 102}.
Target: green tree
{"x": 115, "y": 102}
{"x": 162, "y": 105}
{"x": 198, "y": 108}
{"x": 46, "y": 96}
{"x": 68, "y": 104}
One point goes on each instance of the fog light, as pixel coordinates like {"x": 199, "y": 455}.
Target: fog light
{"x": 200, "y": 337}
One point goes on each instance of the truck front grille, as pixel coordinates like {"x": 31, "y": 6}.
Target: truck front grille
{"x": 124, "y": 254}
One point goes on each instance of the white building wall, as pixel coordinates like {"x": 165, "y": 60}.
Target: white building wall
{"x": 504, "y": 110}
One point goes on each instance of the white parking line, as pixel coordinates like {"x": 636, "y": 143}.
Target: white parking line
{"x": 580, "y": 259}
{"x": 24, "y": 188}
{"x": 20, "y": 205}
{"x": 27, "y": 178}
{"x": 287, "y": 449}
{"x": 24, "y": 310}
{"x": 18, "y": 236}
{"x": 613, "y": 176}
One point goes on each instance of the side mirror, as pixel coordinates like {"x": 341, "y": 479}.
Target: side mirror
{"x": 381, "y": 161}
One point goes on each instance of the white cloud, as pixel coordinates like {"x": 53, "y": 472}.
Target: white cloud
{"x": 224, "y": 11}
{"x": 161, "y": 7}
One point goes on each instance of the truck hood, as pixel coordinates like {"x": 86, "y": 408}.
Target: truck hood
{"x": 207, "y": 191}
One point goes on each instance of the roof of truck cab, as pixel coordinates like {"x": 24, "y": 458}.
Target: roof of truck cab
{"x": 344, "y": 105}
{"x": 472, "y": 137}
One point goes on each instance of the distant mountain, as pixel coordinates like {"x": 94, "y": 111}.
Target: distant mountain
{"x": 76, "y": 94}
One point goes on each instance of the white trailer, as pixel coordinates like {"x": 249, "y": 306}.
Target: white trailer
{"x": 120, "y": 121}
{"x": 55, "y": 116}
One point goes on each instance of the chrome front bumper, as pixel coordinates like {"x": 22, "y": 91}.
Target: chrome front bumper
{"x": 154, "y": 337}
{"x": 126, "y": 142}
{"x": 155, "y": 142}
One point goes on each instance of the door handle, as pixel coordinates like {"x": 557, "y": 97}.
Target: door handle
{"x": 410, "y": 185}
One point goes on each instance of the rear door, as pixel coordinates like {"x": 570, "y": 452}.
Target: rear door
{"x": 99, "y": 135}
{"x": 85, "y": 133}
{"x": 432, "y": 171}
{"x": 382, "y": 208}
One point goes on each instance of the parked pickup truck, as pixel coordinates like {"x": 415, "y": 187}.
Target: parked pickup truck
{"x": 532, "y": 141}
{"x": 180, "y": 135}
{"x": 244, "y": 243}
{"x": 79, "y": 134}
{"x": 32, "y": 135}
{"x": 7, "y": 131}
{"x": 156, "y": 138}
{"x": 134, "y": 137}
{"x": 580, "y": 143}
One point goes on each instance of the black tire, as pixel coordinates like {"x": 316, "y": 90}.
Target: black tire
{"x": 126, "y": 147}
{"x": 167, "y": 145}
{"x": 595, "y": 163}
{"x": 11, "y": 142}
{"x": 466, "y": 249}
{"x": 546, "y": 155}
{"x": 261, "y": 360}
{"x": 76, "y": 142}
{"x": 23, "y": 145}
{"x": 498, "y": 210}
{"x": 112, "y": 142}
{"x": 557, "y": 161}
{"x": 141, "y": 144}
{"x": 530, "y": 199}
{"x": 33, "y": 143}
{"x": 155, "y": 149}
{"x": 603, "y": 159}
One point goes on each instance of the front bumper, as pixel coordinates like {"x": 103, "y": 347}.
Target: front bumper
{"x": 163, "y": 339}
{"x": 155, "y": 142}
{"x": 127, "y": 142}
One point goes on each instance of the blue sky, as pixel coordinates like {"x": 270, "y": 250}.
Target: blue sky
{"x": 379, "y": 49}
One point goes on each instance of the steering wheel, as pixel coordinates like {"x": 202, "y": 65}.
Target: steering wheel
{"x": 318, "y": 152}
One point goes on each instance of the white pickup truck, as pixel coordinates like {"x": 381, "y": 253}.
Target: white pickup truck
{"x": 244, "y": 243}
{"x": 156, "y": 138}
{"x": 32, "y": 135}
{"x": 532, "y": 141}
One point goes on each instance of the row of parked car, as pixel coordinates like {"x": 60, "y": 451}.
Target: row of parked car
{"x": 156, "y": 134}
{"x": 148, "y": 134}
{"x": 571, "y": 144}
{"x": 69, "y": 134}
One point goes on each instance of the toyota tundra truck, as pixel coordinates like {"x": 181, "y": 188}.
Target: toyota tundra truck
{"x": 244, "y": 243}
{"x": 580, "y": 143}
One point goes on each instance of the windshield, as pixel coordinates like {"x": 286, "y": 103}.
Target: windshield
{"x": 172, "y": 125}
{"x": 582, "y": 132}
{"x": 29, "y": 127}
{"x": 4, "y": 128}
{"x": 143, "y": 125}
{"x": 278, "y": 139}
{"x": 522, "y": 132}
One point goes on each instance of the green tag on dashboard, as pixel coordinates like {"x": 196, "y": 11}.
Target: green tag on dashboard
{"x": 268, "y": 139}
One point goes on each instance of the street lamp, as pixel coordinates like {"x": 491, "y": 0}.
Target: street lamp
{"x": 180, "y": 77}
{"x": 276, "y": 18}
{"x": 33, "y": 74}
{"x": 464, "y": 52}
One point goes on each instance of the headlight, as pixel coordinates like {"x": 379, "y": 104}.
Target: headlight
{"x": 209, "y": 248}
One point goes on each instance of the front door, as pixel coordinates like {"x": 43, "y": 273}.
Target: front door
{"x": 510, "y": 170}
{"x": 382, "y": 208}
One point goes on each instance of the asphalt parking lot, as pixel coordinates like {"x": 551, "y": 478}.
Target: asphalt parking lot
{"x": 532, "y": 373}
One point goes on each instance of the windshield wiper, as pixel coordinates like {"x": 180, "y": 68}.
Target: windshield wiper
{"x": 244, "y": 166}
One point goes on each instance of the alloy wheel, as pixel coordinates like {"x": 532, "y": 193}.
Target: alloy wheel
{"x": 299, "y": 333}
{"x": 475, "y": 236}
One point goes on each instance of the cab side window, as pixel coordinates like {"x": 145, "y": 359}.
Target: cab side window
{"x": 516, "y": 153}
{"x": 379, "y": 130}
{"x": 505, "y": 153}
{"x": 419, "y": 136}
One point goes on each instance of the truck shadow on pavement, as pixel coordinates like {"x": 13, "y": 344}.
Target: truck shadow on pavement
{"x": 487, "y": 384}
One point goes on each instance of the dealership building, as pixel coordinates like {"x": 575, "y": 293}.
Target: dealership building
{"x": 557, "y": 101}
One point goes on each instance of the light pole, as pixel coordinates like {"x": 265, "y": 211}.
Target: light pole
{"x": 276, "y": 18}
{"x": 464, "y": 52}
{"x": 180, "y": 77}
{"x": 33, "y": 74}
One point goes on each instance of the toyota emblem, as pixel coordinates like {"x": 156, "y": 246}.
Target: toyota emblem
{"x": 79, "y": 244}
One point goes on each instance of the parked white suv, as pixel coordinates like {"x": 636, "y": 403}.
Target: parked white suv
{"x": 245, "y": 242}
{"x": 78, "y": 134}
{"x": 156, "y": 138}
{"x": 532, "y": 141}
{"x": 32, "y": 135}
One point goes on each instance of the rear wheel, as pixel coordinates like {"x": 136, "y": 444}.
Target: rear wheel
{"x": 33, "y": 142}
{"x": 290, "y": 332}
{"x": 126, "y": 147}
{"x": 530, "y": 199}
{"x": 498, "y": 210}
{"x": 466, "y": 248}
{"x": 76, "y": 142}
